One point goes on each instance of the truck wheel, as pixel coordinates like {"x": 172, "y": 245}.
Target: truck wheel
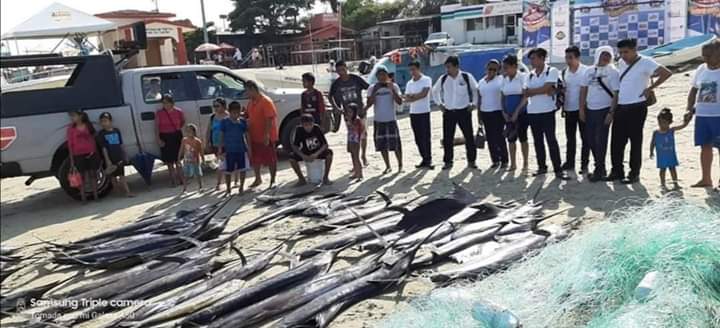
{"x": 104, "y": 184}
{"x": 288, "y": 133}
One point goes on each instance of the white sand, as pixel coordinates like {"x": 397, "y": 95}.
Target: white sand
{"x": 44, "y": 210}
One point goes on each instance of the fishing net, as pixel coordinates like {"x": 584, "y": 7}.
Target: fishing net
{"x": 591, "y": 280}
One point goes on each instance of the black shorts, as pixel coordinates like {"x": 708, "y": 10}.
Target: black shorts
{"x": 323, "y": 155}
{"x": 119, "y": 170}
{"x": 517, "y": 130}
{"x": 387, "y": 136}
{"x": 87, "y": 163}
{"x": 169, "y": 153}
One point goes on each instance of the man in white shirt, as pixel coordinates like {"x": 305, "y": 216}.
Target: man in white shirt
{"x": 636, "y": 72}
{"x": 417, "y": 93}
{"x": 540, "y": 87}
{"x": 572, "y": 77}
{"x": 456, "y": 92}
{"x": 237, "y": 57}
{"x": 704, "y": 103}
{"x": 598, "y": 99}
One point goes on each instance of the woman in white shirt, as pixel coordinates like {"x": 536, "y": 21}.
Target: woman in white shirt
{"x": 514, "y": 110}
{"x": 490, "y": 114}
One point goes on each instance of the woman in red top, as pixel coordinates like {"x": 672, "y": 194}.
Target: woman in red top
{"x": 83, "y": 154}
{"x": 169, "y": 121}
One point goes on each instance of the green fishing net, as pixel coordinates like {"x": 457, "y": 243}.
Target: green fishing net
{"x": 590, "y": 280}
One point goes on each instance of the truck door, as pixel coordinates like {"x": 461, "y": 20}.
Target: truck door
{"x": 213, "y": 85}
{"x": 181, "y": 86}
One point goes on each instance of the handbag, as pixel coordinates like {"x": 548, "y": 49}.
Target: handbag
{"x": 74, "y": 178}
{"x": 480, "y": 138}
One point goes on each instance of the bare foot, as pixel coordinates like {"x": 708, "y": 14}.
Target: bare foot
{"x": 300, "y": 183}
{"x": 702, "y": 184}
{"x": 327, "y": 182}
{"x": 400, "y": 169}
{"x": 511, "y": 168}
{"x": 256, "y": 183}
{"x": 217, "y": 188}
{"x": 387, "y": 170}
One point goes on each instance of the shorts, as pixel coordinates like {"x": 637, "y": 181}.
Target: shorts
{"x": 86, "y": 163}
{"x": 192, "y": 170}
{"x": 119, "y": 169}
{"x": 324, "y": 155}
{"x": 386, "y": 136}
{"x": 707, "y": 130}
{"x": 263, "y": 155}
{"x": 515, "y": 131}
{"x": 236, "y": 162}
{"x": 169, "y": 153}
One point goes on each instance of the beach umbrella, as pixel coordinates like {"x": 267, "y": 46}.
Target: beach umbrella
{"x": 143, "y": 163}
{"x": 226, "y": 46}
{"x": 207, "y": 47}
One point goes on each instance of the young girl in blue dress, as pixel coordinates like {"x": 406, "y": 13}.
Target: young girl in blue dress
{"x": 663, "y": 143}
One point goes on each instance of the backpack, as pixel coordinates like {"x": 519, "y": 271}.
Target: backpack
{"x": 465, "y": 76}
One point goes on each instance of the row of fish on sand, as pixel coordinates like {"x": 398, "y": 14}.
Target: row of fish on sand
{"x": 185, "y": 269}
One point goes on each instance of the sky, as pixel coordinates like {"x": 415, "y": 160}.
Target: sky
{"x": 14, "y": 12}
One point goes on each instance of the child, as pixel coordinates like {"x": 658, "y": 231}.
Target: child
{"x": 213, "y": 136}
{"x": 356, "y": 129}
{"x": 310, "y": 145}
{"x": 312, "y": 101}
{"x": 111, "y": 143}
{"x": 192, "y": 156}
{"x": 233, "y": 141}
{"x": 81, "y": 145}
{"x": 663, "y": 142}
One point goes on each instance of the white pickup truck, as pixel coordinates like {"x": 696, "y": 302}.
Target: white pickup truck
{"x": 34, "y": 118}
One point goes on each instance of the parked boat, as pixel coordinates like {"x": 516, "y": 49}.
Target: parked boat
{"x": 679, "y": 52}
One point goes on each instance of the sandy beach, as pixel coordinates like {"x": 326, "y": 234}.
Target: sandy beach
{"x": 43, "y": 210}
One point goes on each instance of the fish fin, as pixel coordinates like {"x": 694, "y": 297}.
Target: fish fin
{"x": 292, "y": 258}
{"x": 237, "y": 250}
{"x": 398, "y": 209}
{"x": 384, "y": 196}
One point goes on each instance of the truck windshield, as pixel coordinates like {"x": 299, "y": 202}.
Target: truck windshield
{"x": 220, "y": 84}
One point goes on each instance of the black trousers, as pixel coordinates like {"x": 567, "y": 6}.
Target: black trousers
{"x": 463, "y": 119}
{"x": 494, "y": 123}
{"x": 628, "y": 125}
{"x": 420, "y": 124}
{"x": 596, "y": 135}
{"x": 572, "y": 124}
{"x": 543, "y": 129}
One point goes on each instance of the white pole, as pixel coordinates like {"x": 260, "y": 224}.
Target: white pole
{"x": 205, "y": 31}
{"x": 339, "y": 51}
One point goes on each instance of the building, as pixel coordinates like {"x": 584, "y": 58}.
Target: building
{"x": 397, "y": 33}
{"x": 165, "y": 40}
{"x": 320, "y": 40}
{"x": 495, "y": 22}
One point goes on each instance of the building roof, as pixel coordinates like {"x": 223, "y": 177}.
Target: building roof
{"x": 184, "y": 23}
{"x": 408, "y": 19}
{"x": 132, "y": 13}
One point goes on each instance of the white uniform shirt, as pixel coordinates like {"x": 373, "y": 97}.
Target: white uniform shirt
{"x": 490, "y": 96}
{"x": 422, "y": 105}
{"x": 540, "y": 104}
{"x": 454, "y": 94}
{"x": 636, "y": 80}
{"x": 514, "y": 86}
{"x": 573, "y": 81}
{"x": 597, "y": 97}
{"x": 707, "y": 83}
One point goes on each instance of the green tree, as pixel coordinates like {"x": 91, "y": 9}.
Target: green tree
{"x": 268, "y": 17}
{"x": 195, "y": 38}
{"x": 361, "y": 14}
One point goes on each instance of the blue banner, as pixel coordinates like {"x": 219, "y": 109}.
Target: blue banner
{"x": 703, "y": 17}
{"x": 536, "y": 24}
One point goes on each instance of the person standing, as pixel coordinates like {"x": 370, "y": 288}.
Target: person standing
{"x": 213, "y": 136}
{"x": 491, "y": 114}
{"x": 515, "y": 111}
{"x": 455, "y": 93}
{"x": 110, "y": 143}
{"x": 82, "y": 148}
{"x": 540, "y": 90}
{"x": 598, "y": 100}
{"x": 704, "y": 102}
{"x": 345, "y": 90}
{"x": 383, "y": 96}
{"x": 262, "y": 126}
{"x": 169, "y": 122}
{"x": 417, "y": 93}
{"x": 636, "y": 72}
{"x": 312, "y": 101}
{"x": 234, "y": 145}
{"x": 573, "y": 76}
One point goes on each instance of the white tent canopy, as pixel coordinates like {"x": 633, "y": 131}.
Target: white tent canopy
{"x": 58, "y": 20}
